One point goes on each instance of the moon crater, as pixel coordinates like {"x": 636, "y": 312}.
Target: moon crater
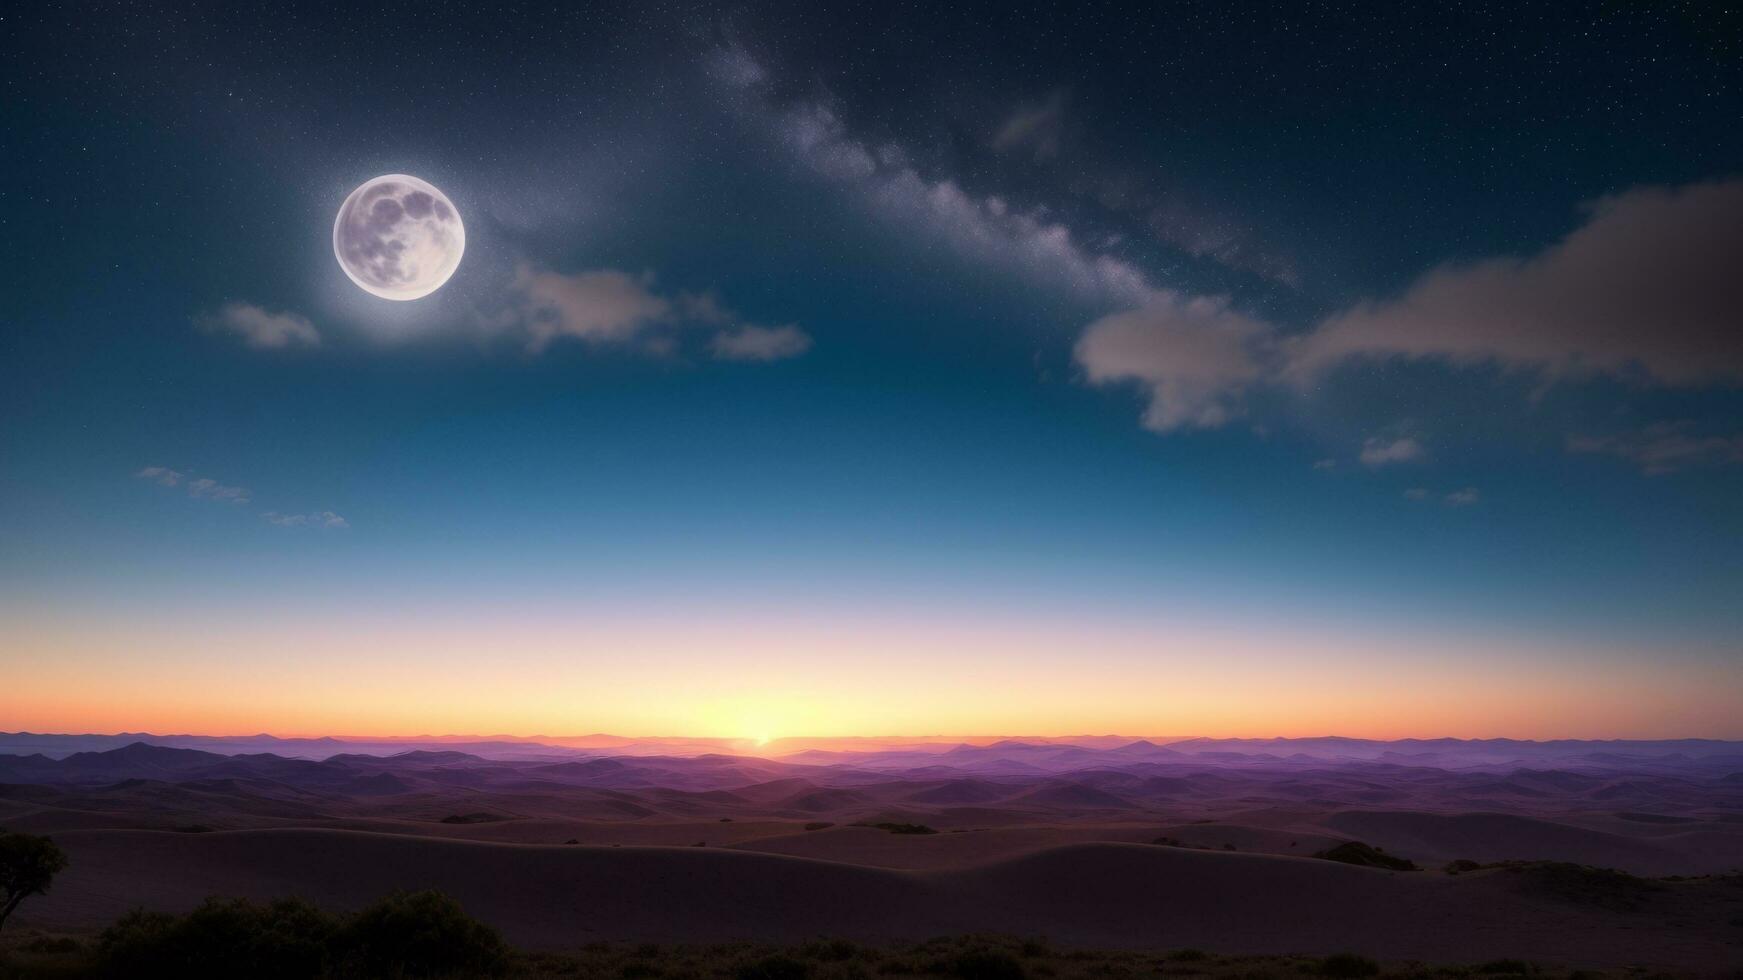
{"x": 398, "y": 237}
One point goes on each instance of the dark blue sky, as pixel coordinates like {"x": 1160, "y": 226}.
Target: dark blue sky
{"x": 1418, "y": 326}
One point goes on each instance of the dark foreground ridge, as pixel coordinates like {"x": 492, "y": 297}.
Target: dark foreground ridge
{"x": 1111, "y": 896}
{"x": 429, "y": 935}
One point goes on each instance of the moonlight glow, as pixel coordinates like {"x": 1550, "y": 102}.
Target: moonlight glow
{"x": 398, "y": 237}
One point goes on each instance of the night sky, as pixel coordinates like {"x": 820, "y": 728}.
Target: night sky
{"x": 885, "y": 368}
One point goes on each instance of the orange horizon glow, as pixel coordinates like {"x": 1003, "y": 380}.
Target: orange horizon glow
{"x": 743, "y": 677}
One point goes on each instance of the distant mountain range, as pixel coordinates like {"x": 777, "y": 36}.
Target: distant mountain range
{"x": 302, "y": 761}
{"x": 1662, "y": 807}
{"x": 1021, "y": 753}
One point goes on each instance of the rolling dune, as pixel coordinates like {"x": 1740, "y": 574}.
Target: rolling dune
{"x": 1127, "y": 895}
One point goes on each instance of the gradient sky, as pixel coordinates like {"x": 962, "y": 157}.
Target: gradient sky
{"x": 877, "y": 369}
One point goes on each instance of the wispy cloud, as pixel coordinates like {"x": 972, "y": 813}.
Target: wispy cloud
{"x": 1457, "y": 498}
{"x": 203, "y": 488}
{"x": 1384, "y": 450}
{"x": 161, "y": 475}
{"x": 206, "y": 488}
{"x": 611, "y": 307}
{"x": 1664, "y": 448}
{"x": 318, "y": 519}
{"x": 753, "y": 343}
{"x": 1462, "y": 498}
{"x": 213, "y": 490}
{"x": 259, "y": 328}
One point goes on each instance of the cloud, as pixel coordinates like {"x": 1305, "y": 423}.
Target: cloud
{"x": 1382, "y": 451}
{"x": 1664, "y": 448}
{"x": 1647, "y": 288}
{"x": 208, "y": 489}
{"x": 1416, "y": 493}
{"x": 601, "y": 306}
{"x": 1193, "y": 355}
{"x": 1325, "y": 464}
{"x": 607, "y": 306}
{"x": 1192, "y": 358}
{"x": 1038, "y": 128}
{"x": 320, "y": 519}
{"x": 753, "y": 343}
{"x": 203, "y": 488}
{"x": 260, "y": 329}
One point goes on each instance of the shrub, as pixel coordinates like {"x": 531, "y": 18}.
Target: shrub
{"x": 1507, "y": 967}
{"x": 1605, "y": 888}
{"x": 1360, "y": 854}
{"x": 818, "y": 825}
{"x": 1461, "y": 866}
{"x": 221, "y": 938}
{"x": 421, "y": 934}
{"x": 1348, "y": 965}
{"x": 904, "y": 828}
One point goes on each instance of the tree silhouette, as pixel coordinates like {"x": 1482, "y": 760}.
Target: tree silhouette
{"x": 27, "y": 864}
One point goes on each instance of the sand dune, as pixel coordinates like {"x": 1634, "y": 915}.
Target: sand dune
{"x": 1500, "y": 836}
{"x": 1102, "y": 893}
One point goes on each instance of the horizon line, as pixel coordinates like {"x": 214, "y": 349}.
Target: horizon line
{"x": 930, "y": 738}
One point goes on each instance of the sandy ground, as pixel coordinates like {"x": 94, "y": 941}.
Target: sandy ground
{"x": 1109, "y": 894}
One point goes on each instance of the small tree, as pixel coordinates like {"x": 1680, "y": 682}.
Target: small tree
{"x": 27, "y": 864}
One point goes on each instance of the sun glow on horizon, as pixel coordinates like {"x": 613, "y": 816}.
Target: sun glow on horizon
{"x": 757, "y": 677}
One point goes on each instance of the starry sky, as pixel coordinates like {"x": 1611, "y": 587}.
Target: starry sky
{"x": 877, "y": 369}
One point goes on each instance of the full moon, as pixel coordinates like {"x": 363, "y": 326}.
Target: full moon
{"x": 398, "y": 237}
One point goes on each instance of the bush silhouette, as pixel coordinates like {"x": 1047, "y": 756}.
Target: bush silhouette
{"x": 1357, "y": 853}
{"x": 900, "y": 828}
{"x": 284, "y": 940}
{"x": 28, "y": 864}
{"x": 422, "y": 934}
